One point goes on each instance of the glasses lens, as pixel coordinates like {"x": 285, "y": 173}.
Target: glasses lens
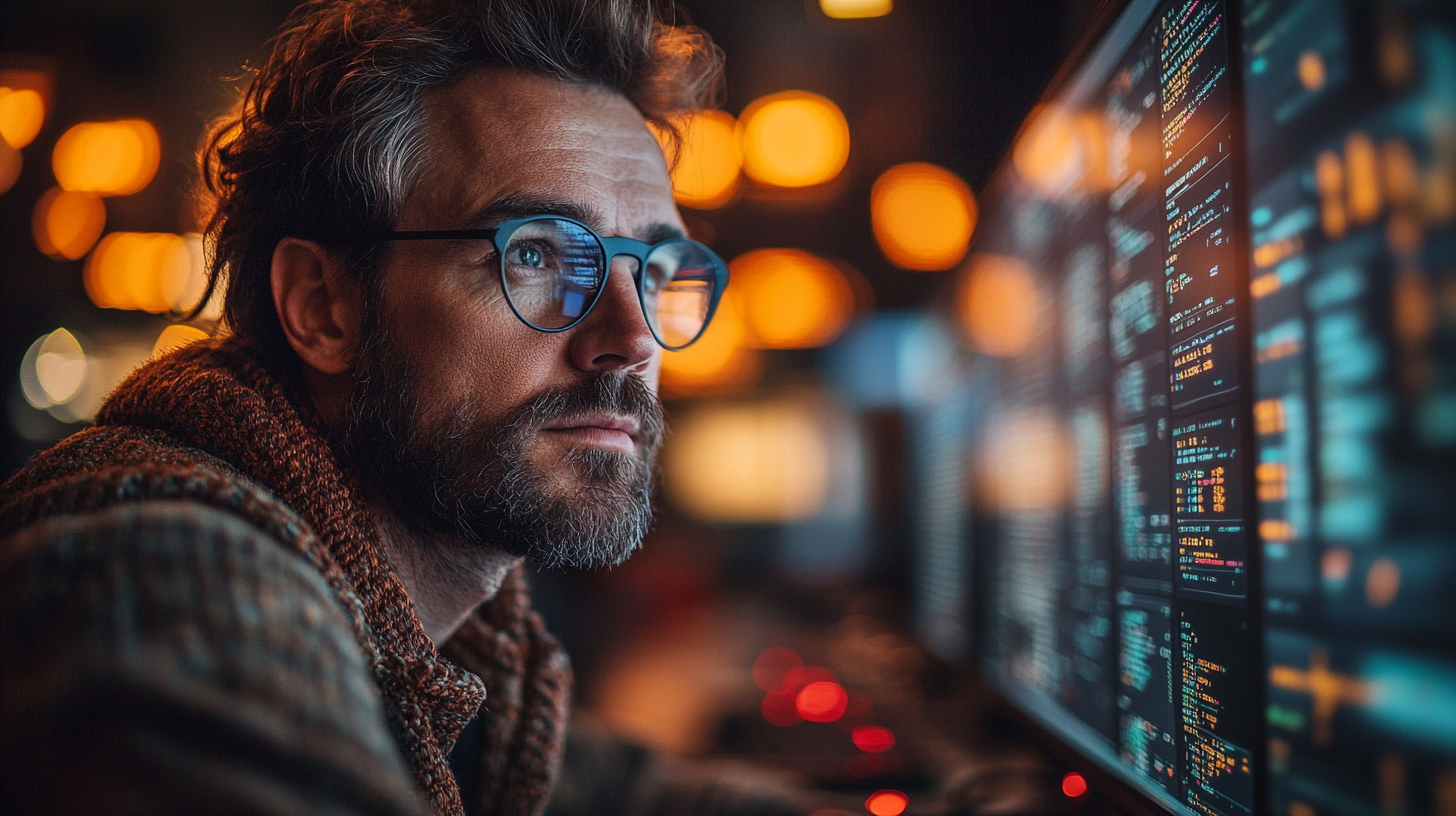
{"x": 678, "y": 291}
{"x": 553, "y": 271}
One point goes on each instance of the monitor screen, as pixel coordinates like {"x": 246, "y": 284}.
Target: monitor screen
{"x": 1214, "y": 299}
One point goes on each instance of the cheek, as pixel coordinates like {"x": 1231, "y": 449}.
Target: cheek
{"x": 471, "y": 349}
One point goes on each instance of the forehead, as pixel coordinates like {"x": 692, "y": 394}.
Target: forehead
{"x": 496, "y": 134}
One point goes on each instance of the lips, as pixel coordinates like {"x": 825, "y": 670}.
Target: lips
{"x": 600, "y": 429}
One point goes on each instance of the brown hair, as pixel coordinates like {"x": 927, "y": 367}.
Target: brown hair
{"x": 328, "y": 139}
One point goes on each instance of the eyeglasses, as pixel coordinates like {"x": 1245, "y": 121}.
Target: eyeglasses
{"x": 554, "y": 270}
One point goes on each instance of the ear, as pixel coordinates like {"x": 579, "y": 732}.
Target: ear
{"x": 319, "y": 304}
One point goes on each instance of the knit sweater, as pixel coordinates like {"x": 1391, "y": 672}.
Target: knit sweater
{"x": 196, "y": 614}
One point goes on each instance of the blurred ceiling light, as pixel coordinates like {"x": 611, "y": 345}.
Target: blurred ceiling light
{"x": 923, "y": 216}
{"x": 1047, "y": 152}
{"x": 705, "y": 174}
{"x": 107, "y": 158}
{"x": 53, "y": 369}
{"x": 855, "y": 9}
{"x": 790, "y": 298}
{"x": 793, "y": 139}
{"x": 997, "y": 305}
{"x": 10, "y": 165}
{"x": 759, "y": 463}
{"x": 65, "y": 224}
{"x": 149, "y": 271}
{"x": 176, "y": 336}
{"x": 22, "y": 112}
{"x": 720, "y": 360}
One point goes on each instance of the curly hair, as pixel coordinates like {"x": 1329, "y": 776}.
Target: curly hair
{"x": 329, "y": 138}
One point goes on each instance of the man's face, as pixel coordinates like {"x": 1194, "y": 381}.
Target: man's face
{"x": 472, "y": 422}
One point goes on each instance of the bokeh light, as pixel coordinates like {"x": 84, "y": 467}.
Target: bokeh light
{"x": 719, "y": 360}
{"x": 705, "y": 174}
{"x": 757, "y": 463}
{"x": 856, "y": 9}
{"x": 1074, "y": 785}
{"x": 872, "y": 739}
{"x": 793, "y": 139}
{"x": 1382, "y": 583}
{"x": 66, "y": 224}
{"x": 1046, "y": 151}
{"x": 790, "y": 298}
{"x": 53, "y": 370}
{"x": 887, "y": 803}
{"x": 22, "y": 112}
{"x": 923, "y": 216}
{"x": 997, "y": 305}
{"x": 773, "y": 665}
{"x": 10, "y": 166}
{"x": 149, "y": 271}
{"x": 1027, "y": 460}
{"x": 822, "y": 702}
{"x": 107, "y": 158}
{"x": 176, "y": 336}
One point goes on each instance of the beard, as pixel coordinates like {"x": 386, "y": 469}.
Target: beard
{"x": 470, "y": 476}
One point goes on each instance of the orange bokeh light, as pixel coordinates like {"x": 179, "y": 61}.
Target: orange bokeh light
{"x": 1074, "y": 785}
{"x": 887, "y": 803}
{"x": 720, "y": 360}
{"x": 997, "y": 305}
{"x": 66, "y": 224}
{"x": 856, "y": 9}
{"x": 872, "y": 739}
{"x": 923, "y": 216}
{"x": 151, "y": 272}
{"x": 790, "y": 298}
{"x": 22, "y": 112}
{"x": 793, "y": 139}
{"x": 822, "y": 701}
{"x": 176, "y": 336}
{"x": 706, "y": 169}
{"x": 107, "y": 158}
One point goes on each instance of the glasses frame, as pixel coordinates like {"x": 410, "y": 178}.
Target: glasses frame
{"x": 611, "y": 247}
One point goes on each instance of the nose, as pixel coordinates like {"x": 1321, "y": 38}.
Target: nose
{"x": 615, "y": 335}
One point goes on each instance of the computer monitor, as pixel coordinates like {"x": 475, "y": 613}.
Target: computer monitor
{"x": 1213, "y": 304}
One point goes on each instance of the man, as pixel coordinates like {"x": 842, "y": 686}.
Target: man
{"x": 283, "y": 572}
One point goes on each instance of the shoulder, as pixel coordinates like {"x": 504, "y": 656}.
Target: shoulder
{"x": 173, "y": 632}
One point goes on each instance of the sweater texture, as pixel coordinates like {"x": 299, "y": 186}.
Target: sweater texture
{"x": 209, "y": 425}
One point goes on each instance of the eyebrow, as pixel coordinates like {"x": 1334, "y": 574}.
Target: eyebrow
{"x": 520, "y": 206}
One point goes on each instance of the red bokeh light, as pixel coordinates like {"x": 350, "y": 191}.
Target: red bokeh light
{"x": 773, "y": 665}
{"x": 779, "y": 709}
{"x": 872, "y": 739}
{"x": 1074, "y": 785}
{"x": 887, "y": 803}
{"x": 822, "y": 701}
{"x": 800, "y": 676}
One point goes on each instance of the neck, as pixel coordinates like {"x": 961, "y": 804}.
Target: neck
{"x": 446, "y": 578}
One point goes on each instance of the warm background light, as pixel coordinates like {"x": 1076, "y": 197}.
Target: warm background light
{"x": 176, "y": 336}
{"x": 855, "y": 9}
{"x": 53, "y": 370}
{"x": 10, "y": 166}
{"x": 790, "y": 298}
{"x": 887, "y": 803}
{"x": 706, "y": 172}
{"x": 756, "y": 463}
{"x": 1055, "y": 148}
{"x": 720, "y": 360}
{"x": 923, "y": 216}
{"x": 22, "y": 112}
{"x": 1027, "y": 461}
{"x": 107, "y": 158}
{"x": 150, "y": 271}
{"x": 66, "y": 224}
{"x": 793, "y": 139}
{"x": 997, "y": 305}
